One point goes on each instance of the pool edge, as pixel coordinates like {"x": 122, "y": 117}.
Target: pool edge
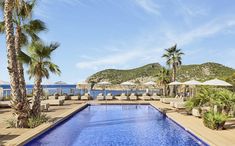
{"x": 191, "y": 132}
{"x": 33, "y": 133}
{"x": 30, "y": 135}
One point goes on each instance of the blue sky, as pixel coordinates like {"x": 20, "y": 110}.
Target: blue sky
{"x": 99, "y": 34}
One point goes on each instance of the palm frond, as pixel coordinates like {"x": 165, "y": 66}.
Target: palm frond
{"x": 34, "y": 26}
{"x": 23, "y": 39}
{"x": 2, "y": 27}
{"x": 24, "y": 58}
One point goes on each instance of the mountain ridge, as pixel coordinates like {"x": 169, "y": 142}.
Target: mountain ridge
{"x": 201, "y": 72}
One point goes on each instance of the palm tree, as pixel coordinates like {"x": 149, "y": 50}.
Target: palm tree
{"x": 38, "y": 58}
{"x": 164, "y": 79}
{"x": 20, "y": 111}
{"x": 20, "y": 19}
{"x": 173, "y": 59}
{"x": 25, "y": 28}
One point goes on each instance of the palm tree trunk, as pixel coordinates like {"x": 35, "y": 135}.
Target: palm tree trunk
{"x": 173, "y": 91}
{"x": 19, "y": 64}
{"x": 174, "y": 73}
{"x": 20, "y": 69}
{"x": 36, "y": 96}
{"x": 164, "y": 90}
{"x": 21, "y": 117}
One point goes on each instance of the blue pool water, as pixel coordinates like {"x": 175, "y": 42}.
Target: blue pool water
{"x": 117, "y": 125}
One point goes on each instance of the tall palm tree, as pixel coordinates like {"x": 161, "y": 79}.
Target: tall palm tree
{"x": 164, "y": 79}
{"x": 38, "y": 58}
{"x": 19, "y": 106}
{"x": 25, "y": 28}
{"x": 173, "y": 60}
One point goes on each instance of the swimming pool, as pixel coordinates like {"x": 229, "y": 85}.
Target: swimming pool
{"x": 117, "y": 125}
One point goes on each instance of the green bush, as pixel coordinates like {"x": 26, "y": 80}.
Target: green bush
{"x": 189, "y": 106}
{"x": 214, "y": 121}
{"x": 11, "y": 123}
{"x": 38, "y": 120}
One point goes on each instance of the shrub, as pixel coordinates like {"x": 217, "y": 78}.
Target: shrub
{"x": 189, "y": 106}
{"x": 38, "y": 120}
{"x": 11, "y": 123}
{"x": 214, "y": 120}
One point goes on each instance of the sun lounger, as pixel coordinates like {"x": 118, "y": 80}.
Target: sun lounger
{"x": 52, "y": 97}
{"x": 168, "y": 100}
{"x": 145, "y": 97}
{"x": 109, "y": 96}
{"x": 5, "y": 104}
{"x": 75, "y": 97}
{"x": 62, "y": 97}
{"x": 100, "y": 96}
{"x": 44, "y": 106}
{"x": 56, "y": 102}
{"x": 197, "y": 112}
{"x": 122, "y": 97}
{"x": 86, "y": 96}
{"x": 133, "y": 96}
{"x": 155, "y": 96}
{"x": 178, "y": 104}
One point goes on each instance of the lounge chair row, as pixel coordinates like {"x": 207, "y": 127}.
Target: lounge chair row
{"x": 179, "y": 103}
{"x": 8, "y": 104}
{"x": 132, "y": 96}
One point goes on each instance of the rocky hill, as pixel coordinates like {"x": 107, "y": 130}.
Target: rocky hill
{"x": 149, "y": 72}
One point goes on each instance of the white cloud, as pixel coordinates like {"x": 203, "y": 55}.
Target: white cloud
{"x": 191, "y": 11}
{"x": 211, "y": 28}
{"x": 149, "y": 6}
{"x": 109, "y": 60}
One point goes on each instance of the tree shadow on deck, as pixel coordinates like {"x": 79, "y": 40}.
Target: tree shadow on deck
{"x": 6, "y": 137}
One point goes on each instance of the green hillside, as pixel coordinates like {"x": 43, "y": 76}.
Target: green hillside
{"x": 118, "y": 76}
{"x": 204, "y": 72}
{"x": 186, "y": 72}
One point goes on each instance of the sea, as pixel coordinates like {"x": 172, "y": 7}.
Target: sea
{"x": 70, "y": 89}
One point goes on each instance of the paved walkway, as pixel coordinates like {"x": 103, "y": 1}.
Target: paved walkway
{"x": 7, "y": 134}
{"x": 195, "y": 125}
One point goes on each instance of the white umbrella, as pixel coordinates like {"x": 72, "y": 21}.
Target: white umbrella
{"x": 216, "y": 82}
{"x": 104, "y": 84}
{"x": 128, "y": 84}
{"x": 83, "y": 85}
{"x": 150, "y": 83}
{"x": 192, "y": 82}
{"x": 175, "y": 83}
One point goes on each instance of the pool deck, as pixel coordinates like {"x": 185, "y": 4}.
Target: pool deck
{"x": 12, "y": 136}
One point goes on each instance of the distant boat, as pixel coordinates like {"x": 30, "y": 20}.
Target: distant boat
{"x": 60, "y": 83}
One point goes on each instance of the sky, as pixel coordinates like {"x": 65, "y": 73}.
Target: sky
{"x": 123, "y": 34}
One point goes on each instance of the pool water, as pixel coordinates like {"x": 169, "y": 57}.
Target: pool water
{"x": 117, "y": 125}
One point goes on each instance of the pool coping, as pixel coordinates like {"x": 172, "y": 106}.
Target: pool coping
{"x": 34, "y": 133}
{"x": 199, "y": 138}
